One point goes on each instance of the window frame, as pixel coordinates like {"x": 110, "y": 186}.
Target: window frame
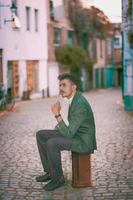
{"x": 28, "y": 18}
{"x": 36, "y": 19}
{"x": 57, "y": 36}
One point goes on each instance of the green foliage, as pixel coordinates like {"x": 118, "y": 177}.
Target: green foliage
{"x": 91, "y": 21}
{"x": 71, "y": 57}
{"x": 129, "y": 8}
{"x": 129, "y": 15}
{"x": 130, "y": 39}
{"x": 100, "y": 22}
{"x": 89, "y": 64}
{"x": 1, "y": 93}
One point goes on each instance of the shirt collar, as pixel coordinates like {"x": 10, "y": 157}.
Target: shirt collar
{"x": 70, "y": 100}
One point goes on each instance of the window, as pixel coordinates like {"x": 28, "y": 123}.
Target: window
{"x": 70, "y": 39}
{"x": 85, "y": 41}
{"x": 36, "y": 19}
{"x": 94, "y": 49}
{"x": 117, "y": 42}
{"x": 57, "y": 36}
{"x": 101, "y": 49}
{"x": 27, "y": 18}
{"x": 109, "y": 47}
{"x": 51, "y": 10}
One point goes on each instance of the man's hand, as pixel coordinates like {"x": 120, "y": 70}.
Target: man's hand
{"x": 56, "y": 108}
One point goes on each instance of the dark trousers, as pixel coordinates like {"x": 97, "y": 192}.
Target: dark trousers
{"x": 50, "y": 144}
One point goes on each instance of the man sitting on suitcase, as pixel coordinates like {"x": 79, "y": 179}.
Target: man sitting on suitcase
{"x": 78, "y": 136}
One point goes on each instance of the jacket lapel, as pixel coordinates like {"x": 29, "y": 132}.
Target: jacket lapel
{"x": 71, "y": 107}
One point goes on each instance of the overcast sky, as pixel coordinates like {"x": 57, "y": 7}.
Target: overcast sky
{"x": 112, "y": 8}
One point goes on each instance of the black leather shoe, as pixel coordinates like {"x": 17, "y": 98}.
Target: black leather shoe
{"x": 54, "y": 185}
{"x": 43, "y": 178}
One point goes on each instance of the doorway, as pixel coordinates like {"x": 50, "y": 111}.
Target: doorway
{"x": 32, "y": 75}
{"x": 13, "y": 77}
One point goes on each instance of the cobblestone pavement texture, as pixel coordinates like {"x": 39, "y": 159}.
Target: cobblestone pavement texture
{"x": 112, "y": 163}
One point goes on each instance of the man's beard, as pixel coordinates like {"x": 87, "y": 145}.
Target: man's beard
{"x": 63, "y": 94}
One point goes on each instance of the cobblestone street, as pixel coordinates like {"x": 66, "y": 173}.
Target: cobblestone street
{"x": 112, "y": 163}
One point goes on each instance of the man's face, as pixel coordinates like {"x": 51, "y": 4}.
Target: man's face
{"x": 67, "y": 88}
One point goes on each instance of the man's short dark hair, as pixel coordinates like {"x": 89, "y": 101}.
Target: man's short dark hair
{"x": 68, "y": 76}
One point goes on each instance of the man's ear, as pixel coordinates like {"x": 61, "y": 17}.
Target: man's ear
{"x": 74, "y": 87}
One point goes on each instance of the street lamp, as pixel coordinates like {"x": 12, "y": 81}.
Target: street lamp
{"x": 13, "y": 9}
{"x": 14, "y": 19}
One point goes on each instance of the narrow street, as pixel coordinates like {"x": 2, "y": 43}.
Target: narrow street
{"x": 112, "y": 163}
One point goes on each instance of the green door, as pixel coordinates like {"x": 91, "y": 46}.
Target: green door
{"x": 102, "y": 77}
{"x": 97, "y": 78}
{"x": 110, "y": 77}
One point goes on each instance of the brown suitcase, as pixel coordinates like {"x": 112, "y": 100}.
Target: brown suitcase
{"x": 81, "y": 170}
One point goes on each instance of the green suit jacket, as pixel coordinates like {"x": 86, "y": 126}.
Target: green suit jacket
{"x": 81, "y": 126}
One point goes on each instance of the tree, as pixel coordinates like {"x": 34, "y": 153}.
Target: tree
{"x": 100, "y": 22}
{"x": 71, "y": 57}
{"x": 88, "y": 24}
{"x": 78, "y": 19}
{"x": 129, "y": 15}
{"x": 75, "y": 58}
{"x": 91, "y": 21}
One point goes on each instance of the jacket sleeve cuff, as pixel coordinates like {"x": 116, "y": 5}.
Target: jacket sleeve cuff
{"x": 60, "y": 126}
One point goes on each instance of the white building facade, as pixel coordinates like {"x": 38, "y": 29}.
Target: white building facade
{"x": 24, "y": 50}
